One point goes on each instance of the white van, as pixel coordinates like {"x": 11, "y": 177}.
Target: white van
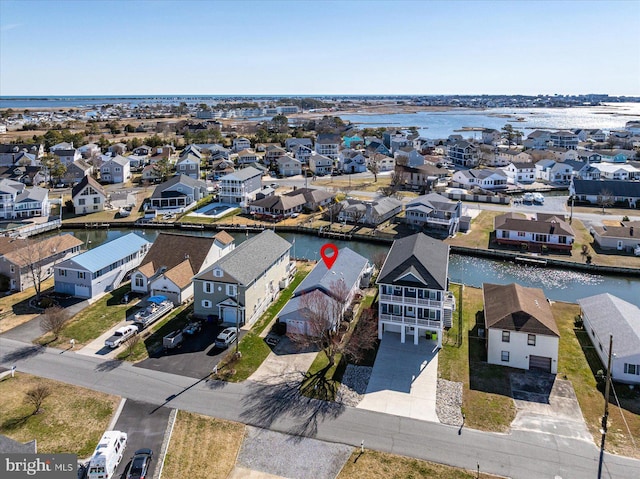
{"x": 107, "y": 455}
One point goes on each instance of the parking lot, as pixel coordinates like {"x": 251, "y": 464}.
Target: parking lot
{"x": 195, "y": 357}
{"x": 145, "y": 425}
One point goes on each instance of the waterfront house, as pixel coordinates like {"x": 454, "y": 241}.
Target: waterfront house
{"x": 434, "y": 211}
{"x": 22, "y": 260}
{"x": 613, "y": 171}
{"x": 413, "y": 284}
{"x": 521, "y": 172}
{"x": 421, "y": 177}
{"x": 88, "y": 196}
{"x": 583, "y": 170}
{"x": 241, "y": 186}
{"x": 485, "y": 178}
{"x": 115, "y": 170}
{"x": 173, "y": 260}
{"x": 623, "y": 193}
{"x": 291, "y": 144}
{"x": 314, "y": 199}
{"x": 604, "y": 315}
{"x": 564, "y": 139}
{"x": 288, "y": 166}
{"x": 101, "y": 269}
{"x": 246, "y": 157}
{"x": 76, "y": 171}
{"x": 242, "y": 284}
{"x": 370, "y": 213}
{"x": 545, "y": 230}
{"x": 178, "y": 194}
{"x": 613, "y": 156}
{"x": 320, "y": 165}
{"x": 521, "y": 331}
{"x": 336, "y": 286}
{"x": 276, "y": 207}
{"x": 10, "y": 153}
{"x": 188, "y": 165}
{"x": 554, "y": 171}
{"x": 18, "y": 201}
{"x": 625, "y": 237}
{"x": 328, "y": 145}
{"x": 463, "y": 153}
{"x": 538, "y": 140}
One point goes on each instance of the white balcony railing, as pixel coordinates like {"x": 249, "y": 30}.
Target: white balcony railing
{"x": 431, "y": 303}
{"x": 427, "y": 323}
{"x": 439, "y": 221}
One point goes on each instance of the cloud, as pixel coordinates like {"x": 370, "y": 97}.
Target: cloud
{"x": 10, "y": 26}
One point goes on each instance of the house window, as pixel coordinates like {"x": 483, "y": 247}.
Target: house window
{"x": 139, "y": 282}
{"x": 231, "y": 290}
{"x": 206, "y": 303}
{"x": 208, "y": 287}
{"x": 13, "y": 269}
{"x": 81, "y": 275}
{"x": 81, "y": 201}
{"x": 96, "y": 201}
{"x": 632, "y": 369}
{"x": 217, "y": 273}
{"x": 531, "y": 339}
{"x": 521, "y": 234}
{"x": 504, "y": 356}
{"x": 63, "y": 272}
{"x": 506, "y": 336}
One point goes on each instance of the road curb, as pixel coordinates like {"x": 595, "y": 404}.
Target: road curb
{"x": 116, "y": 415}
{"x": 165, "y": 443}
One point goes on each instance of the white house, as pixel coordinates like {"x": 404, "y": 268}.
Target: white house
{"x": 67, "y": 156}
{"x": 613, "y": 171}
{"x": 241, "y": 186}
{"x": 320, "y": 164}
{"x": 554, "y": 171}
{"x": 240, "y": 144}
{"x": 520, "y": 328}
{"x": 546, "y": 230}
{"x": 521, "y": 172}
{"x": 328, "y": 144}
{"x": 16, "y": 201}
{"x": 604, "y": 315}
{"x": 485, "y": 178}
{"x": 88, "y": 196}
{"x": 288, "y": 166}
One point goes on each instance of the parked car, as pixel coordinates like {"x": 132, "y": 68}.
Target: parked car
{"x": 226, "y": 337}
{"x": 140, "y": 464}
{"x": 538, "y": 198}
{"x": 121, "y": 335}
{"x": 192, "y": 328}
{"x": 295, "y": 215}
{"x": 527, "y": 198}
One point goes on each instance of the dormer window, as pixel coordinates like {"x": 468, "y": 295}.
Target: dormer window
{"x": 217, "y": 273}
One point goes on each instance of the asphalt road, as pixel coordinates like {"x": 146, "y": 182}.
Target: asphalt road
{"x": 519, "y": 454}
{"x": 145, "y": 425}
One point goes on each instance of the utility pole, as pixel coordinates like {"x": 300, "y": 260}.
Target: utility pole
{"x": 605, "y": 417}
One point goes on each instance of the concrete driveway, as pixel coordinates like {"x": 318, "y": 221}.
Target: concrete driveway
{"x": 145, "y": 425}
{"x": 404, "y": 379}
{"x": 547, "y": 404}
{"x": 284, "y": 364}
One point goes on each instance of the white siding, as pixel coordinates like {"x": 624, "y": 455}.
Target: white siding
{"x": 519, "y": 350}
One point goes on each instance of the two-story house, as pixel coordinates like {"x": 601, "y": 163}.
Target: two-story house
{"x": 520, "y": 328}
{"x": 413, "y": 289}
{"x": 564, "y": 139}
{"x": 67, "y": 156}
{"x": 178, "y": 193}
{"x": 521, "y": 172}
{"x": 115, "y": 170}
{"x": 173, "y": 260}
{"x": 239, "y": 287}
{"x": 101, "y": 269}
{"x": 273, "y": 152}
{"x": 16, "y": 201}
{"x": 241, "y": 186}
{"x": 188, "y": 165}
{"x": 10, "y": 153}
{"x": 538, "y": 140}
{"x": 291, "y": 144}
{"x": 76, "y": 171}
{"x": 554, "y": 171}
{"x": 25, "y": 261}
{"x": 88, "y": 196}
{"x": 320, "y": 165}
{"x": 241, "y": 143}
{"x": 247, "y": 157}
{"x": 434, "y": 211}
{"x": 288, "y": 166}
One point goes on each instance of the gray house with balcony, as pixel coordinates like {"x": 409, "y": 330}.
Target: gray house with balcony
{"x": 241, "y": 186}
{"x": 413, "y": 283}
{"x": 178, "y": 193}
{"x": 101, "y": 269}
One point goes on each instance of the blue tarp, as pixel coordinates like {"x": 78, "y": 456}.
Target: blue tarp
{"x": 157, "y": 299}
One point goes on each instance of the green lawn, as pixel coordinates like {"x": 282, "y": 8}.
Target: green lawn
{"x": 486, "y": 391}
{"x": 94, "y": 320}
{"x": 253, "y": 348}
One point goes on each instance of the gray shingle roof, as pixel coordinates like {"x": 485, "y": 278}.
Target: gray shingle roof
{"x": 616, "y": 187}
{"x": 348, "y": 267}
{"x": 608, "y": 314}
{"x": 249, "y": 260}
{"x": 242, "y": 174}
{"x": 425, "y": 258}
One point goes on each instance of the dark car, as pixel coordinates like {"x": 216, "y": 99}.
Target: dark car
{"x": 192, "y": 328}
{"x": 140, "y": 464}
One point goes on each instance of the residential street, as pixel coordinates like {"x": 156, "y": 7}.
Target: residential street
{"x": 518, "y": 454}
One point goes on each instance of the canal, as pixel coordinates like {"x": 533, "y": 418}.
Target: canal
{"x": 557, "y": 284}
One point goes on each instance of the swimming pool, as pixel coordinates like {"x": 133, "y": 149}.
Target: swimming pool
{"x": 215, "y": 210}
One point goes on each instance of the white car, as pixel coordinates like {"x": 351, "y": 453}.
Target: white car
{"x": 527, "y": 197}
{"x": 538, "y": 198}
{"x": 226, "y": 337}
{"x": 121, "y": 335}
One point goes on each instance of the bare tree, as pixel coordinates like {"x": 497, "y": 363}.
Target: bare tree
{"x": 378, "y": 259}
{"x": 36, "y": 257}
{"x": 373, "y": 165}
{"x": 605, "y": 199}
{"x": 323, "y": 312}
{"x": 387, "y": 190}
{"x": 131, "y": 343}
{"x": 364, "y": 337}
{"x": 53, "y": 320}
{"x": 333, "y": 211}
{"x": 36, "y": 396}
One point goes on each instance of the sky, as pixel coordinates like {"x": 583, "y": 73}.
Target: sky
{"x": 87, "y": 47}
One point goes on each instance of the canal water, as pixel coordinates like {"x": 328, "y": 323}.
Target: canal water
{"x": 557, "y": 284}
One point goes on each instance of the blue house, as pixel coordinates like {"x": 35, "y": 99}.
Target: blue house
{"x": 612, "y": 156}
{"x": 101, "y": 269}
{"x": 352, "y": 141}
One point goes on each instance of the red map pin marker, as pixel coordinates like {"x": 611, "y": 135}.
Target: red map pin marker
{"x": 329, "y": 260}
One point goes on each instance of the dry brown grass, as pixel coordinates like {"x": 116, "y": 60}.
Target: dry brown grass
{"x": 202, "y": 447}
{"x": 72, "y": 419}
{"x": 578, "y": 361}
{"x": 360, "y": 184}
{"x": 14, "y": 309}
{"x": 481, "y": 229}
{"x": 381, "y": 465}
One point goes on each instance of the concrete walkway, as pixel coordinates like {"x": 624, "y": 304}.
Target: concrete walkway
{"x": 283, "y": 364}
{"x": 404, "y": 379}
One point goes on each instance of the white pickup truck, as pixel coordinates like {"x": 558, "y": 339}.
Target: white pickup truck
{"x": 121, "y": 335}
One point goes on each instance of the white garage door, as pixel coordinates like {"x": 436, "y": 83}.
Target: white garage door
{"x": 82, "y": 291}
{"x": 229, "y": 315}
{"x": 295, "y": 326}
